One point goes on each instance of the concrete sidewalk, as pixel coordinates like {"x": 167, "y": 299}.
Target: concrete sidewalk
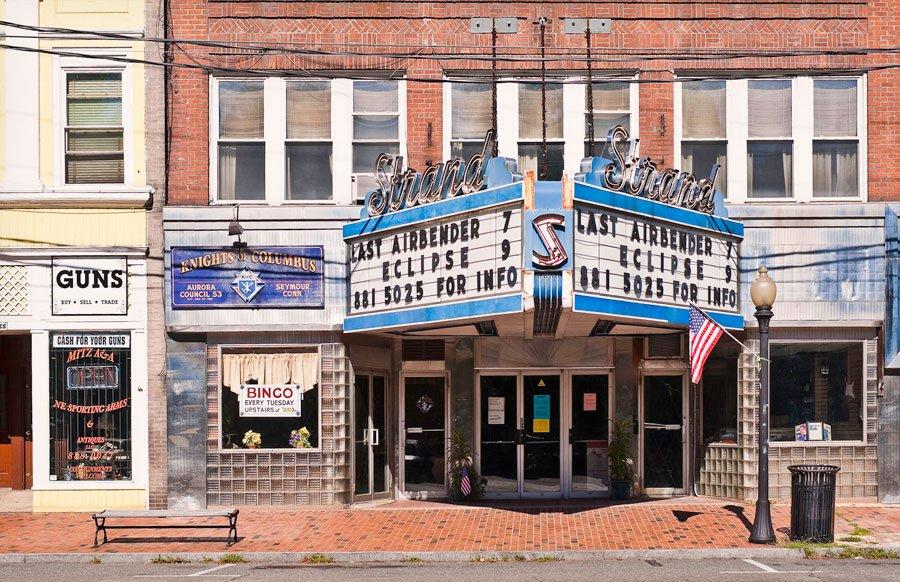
{"x": 689, "y": 523}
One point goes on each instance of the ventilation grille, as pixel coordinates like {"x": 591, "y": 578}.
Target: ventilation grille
{"x": 664, "y": 345}
{"x": 486, "y": 328}
{"x": 547, "y": 303}
{"x": 602, "y": 327}
{"x": 423, "y": 350}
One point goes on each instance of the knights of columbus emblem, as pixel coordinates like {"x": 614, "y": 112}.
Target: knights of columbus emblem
{"x": 247, "y": 284}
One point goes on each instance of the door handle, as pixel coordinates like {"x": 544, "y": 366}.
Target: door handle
{"x": 376, "y": 440}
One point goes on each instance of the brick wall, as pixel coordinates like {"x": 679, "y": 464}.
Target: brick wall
{"x": 425, "y": 26}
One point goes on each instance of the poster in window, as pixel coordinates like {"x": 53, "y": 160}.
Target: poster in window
{"x": 590, "y": 402}
{"x": 90, "y": 407}
{"x": 270, "y": 400}
{"x": 496, "y": 409}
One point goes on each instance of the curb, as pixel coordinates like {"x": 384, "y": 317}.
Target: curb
{"x": 396, "y": 557}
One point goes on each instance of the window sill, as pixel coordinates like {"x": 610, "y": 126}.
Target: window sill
{"x": 97, "y": 196}
{"x": 88, "y": 485}
{"x": 782, "y": 444}
{"x": 280, "y": 451}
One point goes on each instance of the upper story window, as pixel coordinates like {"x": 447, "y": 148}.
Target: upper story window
{"x": 470, "y": 118}
{"x": 279, "y": 140}
{"x": 522, "y": 111}
{"x": 703, "y": 129}
{"x": 94, "y": 132}
{"x": 835, "y": 138}
{"x": 242, "y": 145}
{"x": 531, "y": 130}
{"x": 779, "y": 139}
{"x": 609, "y": 105}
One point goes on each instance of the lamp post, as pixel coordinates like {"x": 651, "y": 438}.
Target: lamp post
{"x": 762, "y": 293}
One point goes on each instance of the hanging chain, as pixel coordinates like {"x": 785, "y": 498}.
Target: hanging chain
{"x": 542, "y": 172}
{"x": 494, "y": 86}
{"x": 590, "y": 93}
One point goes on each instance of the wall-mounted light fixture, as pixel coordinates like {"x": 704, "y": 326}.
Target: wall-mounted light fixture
{"x": 235, "y": 229}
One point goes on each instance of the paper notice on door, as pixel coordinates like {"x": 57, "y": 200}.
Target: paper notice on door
{"x": 540, "y": 425}
{"x": 542, "y": 406}
{"x": 590, "y": 401}
{"x": 496, "y": 409}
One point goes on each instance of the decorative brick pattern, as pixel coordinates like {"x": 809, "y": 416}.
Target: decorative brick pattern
{"x": 14, "y": 283}
{"x": 261, "y": 477}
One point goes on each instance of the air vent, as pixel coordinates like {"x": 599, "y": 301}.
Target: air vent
{"x": 602, "y": 327}
{"x": 664, "y": 345}
{"x": 547, "y": 303}
{"x": 423, "y": 350}
{"x": 486, "y": 328}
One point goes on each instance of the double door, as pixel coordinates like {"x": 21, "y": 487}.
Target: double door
{"x": 544, "y": 434}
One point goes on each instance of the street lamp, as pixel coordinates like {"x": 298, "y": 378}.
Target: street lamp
{"x": 762, "y": 293}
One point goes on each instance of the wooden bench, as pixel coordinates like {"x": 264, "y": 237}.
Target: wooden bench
{"x": 101, "y": 518}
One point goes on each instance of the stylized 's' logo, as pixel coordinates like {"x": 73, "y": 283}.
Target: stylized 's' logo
{"x": 545, "y": 225}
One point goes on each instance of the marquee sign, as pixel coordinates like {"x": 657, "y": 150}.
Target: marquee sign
{"x": 248, "y": 277}
{"x": 469, "y": 250}
{"x": 639, "y": 258}
{"x": 90, "y": 286}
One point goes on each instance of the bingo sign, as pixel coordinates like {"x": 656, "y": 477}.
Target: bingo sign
{"x": 247, "y": 277}
{"x": 270, "y": 400}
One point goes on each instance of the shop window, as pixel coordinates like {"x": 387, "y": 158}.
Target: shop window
{"x": 308, "y": 150}
{"x": 703, "y": 130}
{"x": 94, "y": 134}
{"x": 720, "y": 394}
{"x": 90, "y": 407}
{"x": 470, "y": 118}
{"x": 817, "y": 383}
{"x": 268, "y": 398}
{"x": 531, "y": 121}
{"x": 835, "y": 139}
{"x": 611, "y": 107}
{"x": 241, "y": 142}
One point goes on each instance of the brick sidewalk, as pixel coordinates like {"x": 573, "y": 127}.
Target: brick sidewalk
{"x": 687, "y": 523}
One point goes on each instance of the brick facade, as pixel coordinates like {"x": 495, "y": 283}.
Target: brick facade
{"x": 646, "y": 27}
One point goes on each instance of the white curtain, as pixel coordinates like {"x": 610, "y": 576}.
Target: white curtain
{"x": 290, "y": 368}
{"x": 227, "y": 171}
{"x": 835, "y": 169}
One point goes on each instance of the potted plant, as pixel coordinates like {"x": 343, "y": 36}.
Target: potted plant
{"x": 252, "y": 440}
{"x": 621, "y": 465}
{"x": 464, "y": 483}
{"x": 300, "y": 438}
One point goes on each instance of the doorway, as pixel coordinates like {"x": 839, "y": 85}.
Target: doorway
{"x": 423, "y": 432}
{"x": 370, "y": 435}
{"x": 523, "y": 418}
{"x": 663, "y": 414}
{"x": 15, "y": 412}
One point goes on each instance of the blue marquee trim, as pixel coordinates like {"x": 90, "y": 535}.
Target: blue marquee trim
{"x": 618, "y": 201}
{"x": 435, "y": 313}
{"x": 656, "y": 313}
{"x": 435, "y": 210}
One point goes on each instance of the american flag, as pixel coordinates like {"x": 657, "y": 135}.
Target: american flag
{"x": 705, "y": 334}
{"x": 465, "y": 485}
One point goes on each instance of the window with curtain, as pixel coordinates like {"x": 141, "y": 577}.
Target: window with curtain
{"x": 531, "y": 118}
{"x": 817, "y": 383}
{"x": 308, "y": 149}
{"x": 835, "y": 138}
{"x": 241, "y": 141}
{"x": 770, "y": 149}
{"x": 612, "y": 107}
{"x": 703, "y": 137}
{"x": 94, "y": 135}
{"x": 277, "y": 427}
{"x": 376, "y": 122}
{"x": 470, "y": 118}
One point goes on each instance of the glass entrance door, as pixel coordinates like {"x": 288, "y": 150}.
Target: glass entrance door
{"x": 424, "y": 436}
{"x": 589, "y": 434}
{"x": 663, "y": 433}
{"x": 370, "y": 437}
{"x": 540, "y": 440}
{"x": 500, "y": 434}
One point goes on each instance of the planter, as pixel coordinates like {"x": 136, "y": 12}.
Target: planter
{"x": 620, "y": 489}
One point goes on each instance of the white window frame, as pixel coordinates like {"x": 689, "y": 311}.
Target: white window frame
{"x": 861, "y": 128}
{"x": 574, "y": 110}
{"x": 351, "y": 141}
{"x": 736, "y": 136}
{"x": 63, "y": 66}
{"x": 275, "y": 139}
{"x": 633, "y": 109}
{"x": 797, "y": 121}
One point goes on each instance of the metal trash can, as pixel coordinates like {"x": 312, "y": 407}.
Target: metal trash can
{"x": 812, "y": 502}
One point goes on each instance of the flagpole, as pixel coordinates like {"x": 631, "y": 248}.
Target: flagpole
{"x": 726, "y": 332}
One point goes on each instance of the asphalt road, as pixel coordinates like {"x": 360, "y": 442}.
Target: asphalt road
{"x": 661, "y": 570}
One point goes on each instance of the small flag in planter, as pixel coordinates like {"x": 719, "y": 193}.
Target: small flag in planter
{"x": 465, "y": 485}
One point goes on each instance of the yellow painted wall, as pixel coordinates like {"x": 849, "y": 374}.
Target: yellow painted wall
{"x": 88, "y": 500}
{"x": 112, "y": 15}
{"x": 32, "y": 227}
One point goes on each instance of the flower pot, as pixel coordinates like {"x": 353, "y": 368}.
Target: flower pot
{"x": 252, "y": 446}
{"x": 620, "y": 489}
